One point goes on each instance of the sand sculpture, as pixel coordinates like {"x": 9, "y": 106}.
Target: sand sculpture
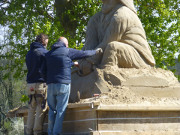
{"x": 127, "y": 61}
{"x": 118, "y": 31}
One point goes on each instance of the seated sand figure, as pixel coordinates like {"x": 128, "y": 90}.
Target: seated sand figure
{"x": 119, "y": 32}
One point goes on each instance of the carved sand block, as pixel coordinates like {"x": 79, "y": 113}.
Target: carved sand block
{"x": 148, "y": 82}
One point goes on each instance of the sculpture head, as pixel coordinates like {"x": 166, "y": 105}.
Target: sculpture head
{"x": 108, "y": 5}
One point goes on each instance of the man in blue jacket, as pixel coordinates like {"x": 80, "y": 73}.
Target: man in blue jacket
{"x": 59, "y": 63}
{"x": 36, "y": 87}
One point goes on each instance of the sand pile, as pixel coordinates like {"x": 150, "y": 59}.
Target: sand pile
{"x": 124, "y": 96}
{"x": 127, "y": 86}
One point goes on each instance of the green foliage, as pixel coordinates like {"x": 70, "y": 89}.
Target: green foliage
{"x": 162, "y": 25}
{"x": 74, "y": 15}
{"x": 24, "y": 98}
{"x": 12, "y": 126}
{"x": 17, "y": 127}
{"x": 26, "y": 19}
{"x": 69, "y": 18}
{"x": 7, "y": 125}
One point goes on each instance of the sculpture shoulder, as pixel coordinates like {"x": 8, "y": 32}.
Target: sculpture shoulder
{"x": 95, "y": 17}
{"x": 124, "y": 13}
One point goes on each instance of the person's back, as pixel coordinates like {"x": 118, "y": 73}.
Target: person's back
{"x": 58, "y": 65}
{"x": 34, "y": 62}
{"x": 36, "y": 87}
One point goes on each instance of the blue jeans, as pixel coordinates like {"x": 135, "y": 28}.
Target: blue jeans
{"x": 57, "y": 97}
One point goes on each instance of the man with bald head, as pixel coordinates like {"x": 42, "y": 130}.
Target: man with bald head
{"x": 119, "y": 32}
{"x": 59, "y": 61}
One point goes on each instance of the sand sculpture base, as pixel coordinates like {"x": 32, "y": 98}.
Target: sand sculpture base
{"x": 97, "y": 119}
{"x": 94, "y": 118}
{"x": 130, "y": 102}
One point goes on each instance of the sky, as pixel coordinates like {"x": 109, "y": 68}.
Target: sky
{"x": 2, "y": 32}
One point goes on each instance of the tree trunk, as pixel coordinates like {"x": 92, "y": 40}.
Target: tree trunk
{"x": 62, "y": 7}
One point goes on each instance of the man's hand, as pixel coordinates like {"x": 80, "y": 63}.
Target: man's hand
{"x": 99, "y": 51}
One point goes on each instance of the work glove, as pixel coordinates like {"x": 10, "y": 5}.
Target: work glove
{"x": 99, "y": 51}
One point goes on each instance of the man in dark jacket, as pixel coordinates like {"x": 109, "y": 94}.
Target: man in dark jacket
{"x": 36, "y": 87}
{"x": 59, "y": 62}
